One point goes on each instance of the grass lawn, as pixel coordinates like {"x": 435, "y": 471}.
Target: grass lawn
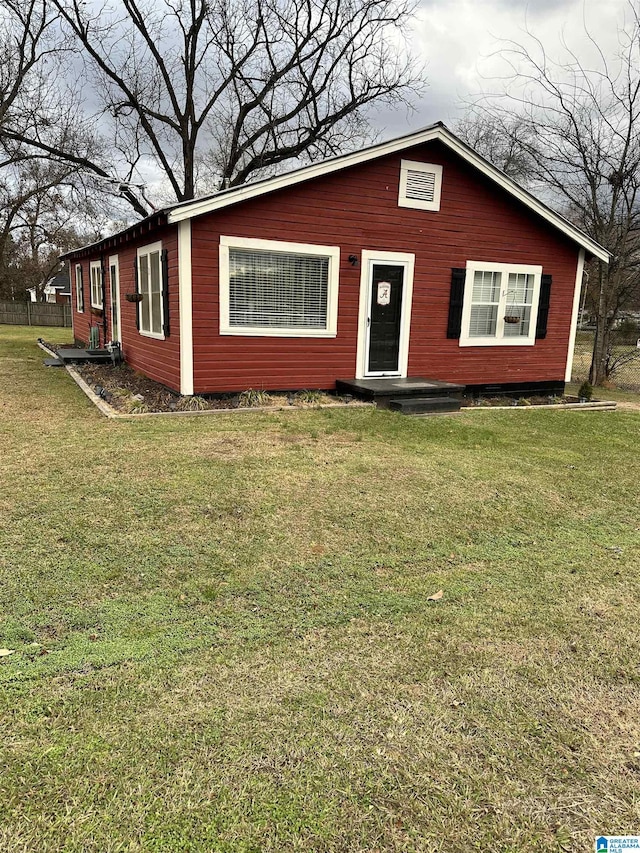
{"x": 223, "y": 639}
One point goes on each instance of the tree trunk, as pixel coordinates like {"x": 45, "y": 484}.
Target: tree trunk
{"x": 188, "y": 159}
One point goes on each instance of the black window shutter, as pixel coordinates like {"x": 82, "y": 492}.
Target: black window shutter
{"x": 165, "y": 294}
{"x": 136, "y": 290}
{"x": 456, "y": 298}
{"x": 543, "y": 306}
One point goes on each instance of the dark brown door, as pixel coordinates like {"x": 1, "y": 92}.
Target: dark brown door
{"x": 385, "y": 318}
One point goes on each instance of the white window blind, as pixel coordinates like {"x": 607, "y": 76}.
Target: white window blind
{"x": 485, "y": 300}
{"x": 95, "y": 271}
{"x": 277, "y": 290}
{"x": 519, "y": 297}
{"x": 150, "y": 287}
{"x": 79, "y": 290}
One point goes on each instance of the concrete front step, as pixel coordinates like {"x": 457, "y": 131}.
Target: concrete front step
{"x": 425, "y": 405}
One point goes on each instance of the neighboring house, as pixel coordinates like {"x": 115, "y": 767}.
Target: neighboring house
{"x": 56, "y": 290}
{"x": 411, "y": 258}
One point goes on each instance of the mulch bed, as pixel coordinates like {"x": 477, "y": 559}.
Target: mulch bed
{"x": 130, "y": 392}
{"x": 133, "y": 393}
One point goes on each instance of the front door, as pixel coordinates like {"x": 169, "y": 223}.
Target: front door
{"x": 385, "y": 319}
{"x": 115, "y": 298}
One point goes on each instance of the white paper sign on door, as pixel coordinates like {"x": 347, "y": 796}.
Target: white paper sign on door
{"x": 384, "y": 293}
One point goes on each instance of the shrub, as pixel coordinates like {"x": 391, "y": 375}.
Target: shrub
{"x": 135, "y": 407}
{"x": 585, "y": 392}
{"x": 192, "y": 404}
{"x": 310, "y": 397}
{"x": 250, "y": 399}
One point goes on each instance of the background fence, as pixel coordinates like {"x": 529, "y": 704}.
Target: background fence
{"x": 35, "y": 314}
{"x": 623, "y": 360}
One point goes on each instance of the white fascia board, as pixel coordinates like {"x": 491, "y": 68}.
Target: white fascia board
{"x": 185, "y": 298}
{"x": 574, "y": 316}
{"x": 316, "y": 170}
{"x": 525, "y": 197}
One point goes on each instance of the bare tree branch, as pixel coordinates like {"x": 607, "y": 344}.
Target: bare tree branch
{"x": 572, "y": 132}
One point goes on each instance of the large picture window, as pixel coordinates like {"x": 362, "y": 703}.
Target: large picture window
{"x": 150, "y": 286}
{"x": 500, "y": 304}
{"x": 95, "y": 272}
{"x": 276, "y": 288}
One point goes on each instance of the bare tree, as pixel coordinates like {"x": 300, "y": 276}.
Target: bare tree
{"x": 504, "y": 140}
{"x": 575, "y": 128}
{"x": 228, "y": 88}
{"x": 41, "y": 191}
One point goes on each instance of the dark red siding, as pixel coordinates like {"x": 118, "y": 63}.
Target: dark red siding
{"x": 159, "y": 359}
{"x": 358, "y": 209}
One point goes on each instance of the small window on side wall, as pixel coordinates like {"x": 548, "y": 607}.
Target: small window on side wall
{"x": 95, "y": 273}
{"x": 420, "y": 185}
{"x": 151, "y": 287}
{"x": 79, "y": 290}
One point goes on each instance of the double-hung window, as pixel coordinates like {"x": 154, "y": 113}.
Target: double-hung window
{"x": 150, "y": 308}
{"x": 95, "y": 273}
{"x": 500, "y": 304}
{"x": 270, "y": 287}
{"x": 79, "y": 290}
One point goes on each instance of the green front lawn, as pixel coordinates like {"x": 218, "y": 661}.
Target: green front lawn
{"x": 223, "y": 640}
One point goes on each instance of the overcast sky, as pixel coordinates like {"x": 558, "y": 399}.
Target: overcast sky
{"x": 457, "y": 37}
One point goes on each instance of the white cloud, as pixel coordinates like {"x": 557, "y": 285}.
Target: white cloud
{"x": 458, "y": 39}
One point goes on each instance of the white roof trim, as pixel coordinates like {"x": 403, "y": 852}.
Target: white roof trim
{"x": 198, "y": 207}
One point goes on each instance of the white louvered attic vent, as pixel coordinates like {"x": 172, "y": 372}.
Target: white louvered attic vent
{"x": 420, "y": 185}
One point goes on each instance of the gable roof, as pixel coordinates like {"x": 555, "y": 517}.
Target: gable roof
{"x": 436, "y": 132}
{"x": 60, "y": 281}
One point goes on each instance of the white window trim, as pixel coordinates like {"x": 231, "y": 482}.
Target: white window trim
{"x": 95, "y": 265}
{"x": 499, "y": 340}
{"x": 417, "y": 166}
{"x": 114, "y": 262}
{"x": 370, "y": 257}
{"x": 185, "y": 291}
{"x": 149, "y": 250}
{"x": 330, "y": 252}
{"x": 79, "y": 290}
{"x": 574, "y": 315}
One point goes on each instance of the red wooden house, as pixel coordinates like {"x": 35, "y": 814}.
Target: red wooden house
{"x": 412, "y": 258}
